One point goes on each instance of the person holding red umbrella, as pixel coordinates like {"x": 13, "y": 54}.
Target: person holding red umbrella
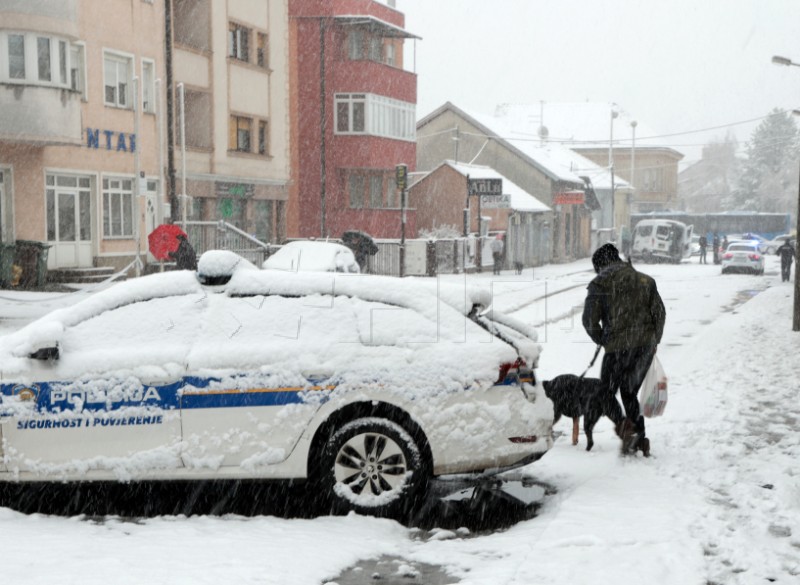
{"x": 169, "y": 242}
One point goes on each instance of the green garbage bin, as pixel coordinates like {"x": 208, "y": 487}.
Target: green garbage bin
{"x": 31, "y": 256}
{"x": 7, "y": 253}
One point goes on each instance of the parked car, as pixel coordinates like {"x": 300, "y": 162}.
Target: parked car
{"x": 772, "y": 246}
{"x": 313, "y": 256}
{"x": 749, "y": 237}
{"x": 367, "y": 386}
{"x": 661, "y": 240}
{"x": 743, "y": 257}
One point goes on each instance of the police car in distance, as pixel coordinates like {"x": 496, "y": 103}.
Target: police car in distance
{"x": 367, "y": 386}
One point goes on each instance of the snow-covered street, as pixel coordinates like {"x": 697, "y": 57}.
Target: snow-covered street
{"x": 717, "y": 503}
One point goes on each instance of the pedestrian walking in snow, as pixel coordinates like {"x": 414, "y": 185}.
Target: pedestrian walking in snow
{"x": 703, "y": 244}
{"x": 715, "y": 248}
{"x": 497, "y": 252}
{"x": 185, "y": 257}
{"x": 786, "y": 252}
{"x": 624, "y": 314}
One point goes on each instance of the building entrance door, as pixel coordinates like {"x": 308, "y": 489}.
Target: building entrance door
{"x": 69, "y": 224}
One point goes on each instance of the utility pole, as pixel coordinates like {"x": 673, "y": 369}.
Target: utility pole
{"x": 401, "y": 179}
{"x": 796, "y": 312}
{"x": 173, "y": 200}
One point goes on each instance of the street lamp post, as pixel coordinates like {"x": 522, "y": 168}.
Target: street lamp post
{"x": 614, "y": 114}
{"x": 796, "y": 312}
{"x": 633, "y": 154}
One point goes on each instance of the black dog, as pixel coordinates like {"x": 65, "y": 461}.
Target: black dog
{"x": 574, "y": 397}
{"x": 518, "y": 267}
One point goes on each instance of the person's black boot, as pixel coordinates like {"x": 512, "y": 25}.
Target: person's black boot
{"x": 626, "y": 431}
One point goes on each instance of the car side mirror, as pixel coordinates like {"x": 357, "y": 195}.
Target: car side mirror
{"x": 46, "y": 353}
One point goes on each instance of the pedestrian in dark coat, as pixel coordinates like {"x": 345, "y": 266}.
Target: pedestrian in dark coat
{"x": 703, "y": 244}
{"x": 786, "y": 251}
{"x": 185, "y": 257}
{"x": 715, "y": 249}
{"x": 625, "y": 315}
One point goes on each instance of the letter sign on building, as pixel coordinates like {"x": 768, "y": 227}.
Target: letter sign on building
{"x": 485, "y": 186}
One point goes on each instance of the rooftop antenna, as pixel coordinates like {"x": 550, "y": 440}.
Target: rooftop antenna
{"x": 543, "y": 131}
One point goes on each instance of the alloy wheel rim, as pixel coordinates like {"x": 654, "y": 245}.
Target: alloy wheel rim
{"x": 370, "y": 465}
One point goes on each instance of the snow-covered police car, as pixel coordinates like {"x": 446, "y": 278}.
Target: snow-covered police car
{"x": 366, "y": 385}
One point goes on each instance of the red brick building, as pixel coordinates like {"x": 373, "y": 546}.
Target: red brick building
{"x": 352, "y": 115}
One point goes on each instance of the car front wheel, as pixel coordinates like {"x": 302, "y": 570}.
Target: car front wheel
{"x": 373, "y": 466}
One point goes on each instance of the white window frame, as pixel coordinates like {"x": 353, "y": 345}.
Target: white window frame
{"x": 7, "y": 57}
{"x": 51, "y": 53}
{"x": 125, "y": 206}
{"x": 383, "y": 116}
{"x": 236, "y": 48}
{"x": 30, "y": 46}
{"x": 118, "y": 58}
{"x": 148, "y": 86}
{"x": 79, "y": 67}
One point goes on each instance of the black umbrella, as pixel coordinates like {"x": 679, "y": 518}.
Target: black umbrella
{"x": 362, "y": 245}
{"x": 360, "y": 242}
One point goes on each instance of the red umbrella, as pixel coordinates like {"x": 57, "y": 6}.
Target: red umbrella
{"x": 164, "y": 239}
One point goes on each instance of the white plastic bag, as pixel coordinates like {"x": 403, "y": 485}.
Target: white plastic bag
{"x": 653, "y": 393}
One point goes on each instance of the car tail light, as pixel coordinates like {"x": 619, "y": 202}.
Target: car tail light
{"x": 522, "y": 372}
{"x": 754, "y": 257}
{"x": 728, "y": 256}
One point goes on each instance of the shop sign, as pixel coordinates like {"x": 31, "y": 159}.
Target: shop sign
{"x": 502, "y": 201}
{"x": 485, "y": 186}
{"x": 239, "y": 190}
{"x": 110, "y": 139}
{"x": 569, "y": 198}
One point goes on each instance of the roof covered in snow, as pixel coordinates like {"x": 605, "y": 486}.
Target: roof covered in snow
{"x": 555, "y": 160}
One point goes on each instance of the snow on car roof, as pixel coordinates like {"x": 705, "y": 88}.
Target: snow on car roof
{"x": 386, "y": 289}
{"x": 307, "y": 255}
{"x": 424, "y": 297}
{"x": 453, "y": 348}
{"x": 48, "y": 329}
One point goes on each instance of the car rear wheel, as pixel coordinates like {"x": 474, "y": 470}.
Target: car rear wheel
{"x": 373, "y": 466}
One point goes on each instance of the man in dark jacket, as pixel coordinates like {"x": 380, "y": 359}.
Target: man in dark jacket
{"x": 185, "y": 257}
{"x": 625, "y": 314}
{"x": 786, "y": 252}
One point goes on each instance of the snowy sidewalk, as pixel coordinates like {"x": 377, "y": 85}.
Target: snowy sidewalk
{"x": 719, "y": 503}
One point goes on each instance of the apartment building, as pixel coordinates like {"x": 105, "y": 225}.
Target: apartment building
{"x": 83, "y": 114}
{"x": 70, "y": 143}
{"x": 353, "y": 117}
{"x": 230, "y": 59}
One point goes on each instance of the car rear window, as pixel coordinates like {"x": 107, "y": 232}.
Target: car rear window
{"x": 741, "y": 248}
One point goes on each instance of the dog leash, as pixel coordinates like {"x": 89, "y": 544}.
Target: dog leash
{"x": 594, "y": 359}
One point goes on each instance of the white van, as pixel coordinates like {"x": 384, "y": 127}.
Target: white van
{"x": 661, "y": 240}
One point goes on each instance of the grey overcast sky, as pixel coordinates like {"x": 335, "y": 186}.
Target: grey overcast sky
{"x": 675, "y": 65}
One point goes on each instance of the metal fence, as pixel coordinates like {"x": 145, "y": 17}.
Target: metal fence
{"x": 220, "y": 235}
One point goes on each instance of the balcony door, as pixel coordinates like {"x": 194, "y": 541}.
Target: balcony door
{"x": 69, "y": 223}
